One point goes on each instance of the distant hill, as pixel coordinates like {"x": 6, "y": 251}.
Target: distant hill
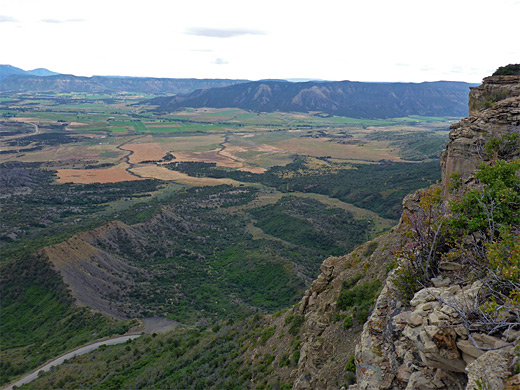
{"x": 39, "y": 81}
{"x": 9, "y": 70}
{"x": 346, "y": 98}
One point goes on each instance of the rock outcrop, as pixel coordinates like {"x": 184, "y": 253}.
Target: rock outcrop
{"x": 492, "y": 90}
{"x": 494, "y": 110}
{"x": 311, "y": 346}
{"x": 426, "y": 343}
{"x": 422, "y": 343}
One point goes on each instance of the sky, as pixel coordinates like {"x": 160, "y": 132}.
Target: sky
{"x": 362, "y": 40}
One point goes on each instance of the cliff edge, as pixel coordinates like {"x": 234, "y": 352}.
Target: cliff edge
{"x": 456, "y": 329}
{"x": 423, "y": 280}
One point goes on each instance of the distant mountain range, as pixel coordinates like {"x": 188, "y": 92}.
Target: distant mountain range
{"x": 13, "y": 79}
{"x": 9, "y": 70}
{"x": 345, "y": 98}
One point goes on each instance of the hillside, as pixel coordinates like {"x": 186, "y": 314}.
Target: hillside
{"x": 35, "y": 81}
{"x": 346, "y": 98}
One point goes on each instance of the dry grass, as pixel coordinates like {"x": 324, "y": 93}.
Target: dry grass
{"x": 208, "y": 156}
{"x": 370, "y": 151}
{"x": 87, "y": 176}
{"x": 144, "y": 152}
{"x": 198, "y": 143}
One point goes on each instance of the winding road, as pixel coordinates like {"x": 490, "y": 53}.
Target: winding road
{"x": 77, "y": 352}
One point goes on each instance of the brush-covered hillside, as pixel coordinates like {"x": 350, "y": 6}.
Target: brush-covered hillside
{"x": 346, "y": 98}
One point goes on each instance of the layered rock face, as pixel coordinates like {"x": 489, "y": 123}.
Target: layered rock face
{"x": 494, "y": 110}
{"x": 492, "y": 90}
{"x": 311, "y": 334}
{"x": 425, "y": 343}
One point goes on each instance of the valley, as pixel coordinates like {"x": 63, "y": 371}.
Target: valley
{"x": 202, "y": 216}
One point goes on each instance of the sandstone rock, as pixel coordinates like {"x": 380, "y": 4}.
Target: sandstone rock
{"x": 431, "y": 330}
{"x": 425, "y": 380}
{"x": 438, "y": 318}
{"x": 512, "y": 335}
{"x": 493, "y": 89}
{"x": 461, "y": 332}
{"x": 429, "y": 345}
{"x": 490, "y": 368}
{"x": 412, "y": 333}
{"x": 450, "y": 266}
{"x": 449, "y": 363}
{"x": 402, "y": 318}
{"x": 454, "y": 289}
{"x": 471, "y": 292}
{"x": 425, "y": 295}
{"x": 415, "y": 319}
{"x": 440, "y": 282}
{"x": 467, "y": 358}
{"x": 449, "y": 311}
{"x": 468, "y": 348}
{"x": 425, "y": 307}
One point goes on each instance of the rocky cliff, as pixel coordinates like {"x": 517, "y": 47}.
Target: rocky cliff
{"x": 428, "y": 341}
{"x": 313, "y": 343}
{"x": 494, "y": 110}
{"x": 431, "y": 341}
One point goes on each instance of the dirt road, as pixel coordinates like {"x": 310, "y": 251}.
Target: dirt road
{"x": 77, "y": 352}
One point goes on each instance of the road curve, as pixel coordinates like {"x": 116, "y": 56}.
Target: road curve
{"x": 77, "y": 352}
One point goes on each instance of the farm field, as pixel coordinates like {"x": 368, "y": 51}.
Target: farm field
{"x": 89, "y": 139}
{"x": 119, "y": 131}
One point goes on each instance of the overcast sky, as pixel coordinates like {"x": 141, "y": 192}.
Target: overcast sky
{"x": 362, "y": 40}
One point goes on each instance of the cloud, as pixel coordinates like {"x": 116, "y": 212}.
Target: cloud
{"x": 221, "y": 32}
{"x": 58, "y": 21}
{"x": 221, "y": 61}
{"x": 457, "y": 69}
{"x": 7, "y": 19}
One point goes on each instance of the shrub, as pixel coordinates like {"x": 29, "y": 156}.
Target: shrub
{"x": 496, "y": 205}
{"x": 371, "y": 247}
{"x": 348, "y": 322}
{"x": 502, "y": 147}
{"x": 508, "y": 70}
{"x": 358, "y": 298}
{"x": 488, "y": 217}
{"x": 296, "y": 321}
{"x": 351, "y": 364}
{"x": 418, "y": 258}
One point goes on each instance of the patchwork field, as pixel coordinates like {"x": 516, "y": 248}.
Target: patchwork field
{"x": 101, "y": 138}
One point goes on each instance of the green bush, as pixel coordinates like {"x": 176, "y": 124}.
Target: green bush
{"x": 493, "y": 206}
{"x": 296, "y": 321}
{"x": 508, "y": 70}
{"x": 362, "y": 295}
